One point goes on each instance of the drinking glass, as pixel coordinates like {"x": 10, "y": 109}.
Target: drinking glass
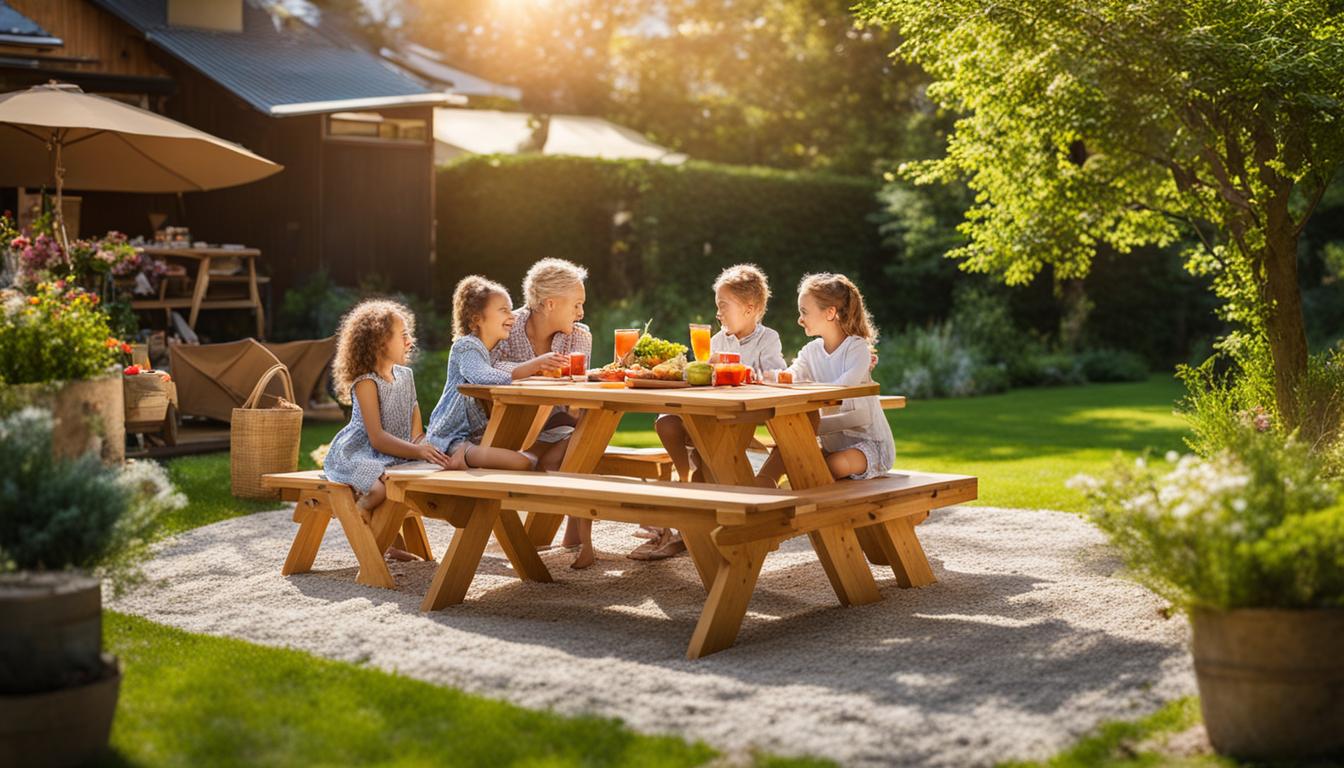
{"x": 626, "y": 338}
{"x": 578, "y": 366}
{"x": 700, "y": 341}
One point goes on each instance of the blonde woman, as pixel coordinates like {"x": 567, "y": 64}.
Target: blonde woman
{"x": 546, "y": 331}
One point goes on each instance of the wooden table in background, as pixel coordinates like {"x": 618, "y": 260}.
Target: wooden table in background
{"x": 201, "y": 283}
{"x": 720, "y": 422}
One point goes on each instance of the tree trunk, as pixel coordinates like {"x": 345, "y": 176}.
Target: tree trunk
{"x": 1284, "y": 324}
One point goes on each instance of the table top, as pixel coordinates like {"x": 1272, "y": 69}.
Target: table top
{"x": 714, "y": 400}
{"x": 187, "y": 250}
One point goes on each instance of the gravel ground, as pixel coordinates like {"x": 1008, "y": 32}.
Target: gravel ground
{"x": 1028, "y": 640}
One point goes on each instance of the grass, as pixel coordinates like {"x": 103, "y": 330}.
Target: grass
{"x": 190, "y": 699}
{"x": 1133, "y": 743}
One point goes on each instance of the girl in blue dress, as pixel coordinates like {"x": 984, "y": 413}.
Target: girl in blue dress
{"x": 385, "y": 429}
{"x": 482, "y": 318}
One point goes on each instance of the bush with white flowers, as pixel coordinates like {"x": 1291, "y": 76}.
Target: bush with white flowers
{"x": 1255, "y": 525}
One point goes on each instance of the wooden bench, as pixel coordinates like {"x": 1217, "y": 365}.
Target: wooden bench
{"x": 319, "y": 500}
{"x": 642, "y": 463}
{"x": 727, "y": 529}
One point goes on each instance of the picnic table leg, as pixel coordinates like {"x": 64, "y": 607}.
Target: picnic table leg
{"x": 509, "y": 425}
{"x": 372, "y": 569}
{"x": 198, "y": 295}
{"x": 312, "y": 515}
{"x": 836, "y": 547}
{"x": 386, "y": 523}
{"x": 840, "y": 555}
{"x": 704, "y": 554}
{"x": 416, "y": 537}
{"x": 722, "y": 448}
{"x": 512, "y": 538}
{"x": 905, "y": 554}
{"x": 586, "y": 446}
{"x": 726, "y": 604}
{"x": 458, "y": 568}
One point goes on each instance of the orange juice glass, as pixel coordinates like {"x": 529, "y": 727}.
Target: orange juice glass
{"x": 700, "y": 341}
{"x": 626, "y": 339}
{"x": 578, "y": 366}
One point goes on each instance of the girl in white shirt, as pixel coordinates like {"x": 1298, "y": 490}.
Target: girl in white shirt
{"x": 855, "y": 437}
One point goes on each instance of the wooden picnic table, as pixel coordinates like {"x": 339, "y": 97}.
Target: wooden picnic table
{"x": 721, "y": 422}
{"x": 201, "y": 283}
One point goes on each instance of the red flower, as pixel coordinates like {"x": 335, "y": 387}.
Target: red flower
{"x": 126, "y": 348}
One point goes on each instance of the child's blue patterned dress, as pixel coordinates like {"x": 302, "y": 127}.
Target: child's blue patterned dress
{"x": 459, "y": 418}
{"x": 352, "y": 459}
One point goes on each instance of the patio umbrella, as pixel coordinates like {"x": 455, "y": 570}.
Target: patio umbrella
{"x": 57, "y": 134}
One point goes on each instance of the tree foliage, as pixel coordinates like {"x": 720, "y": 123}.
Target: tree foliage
{"x": 1091, "y": 123}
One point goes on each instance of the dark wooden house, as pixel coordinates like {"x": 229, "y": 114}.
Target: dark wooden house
{"x": 354, "y": 133}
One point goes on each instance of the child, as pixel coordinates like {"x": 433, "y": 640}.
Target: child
{"x": 855, "y": 439}
{"x": 385, "y": 429}
{"x": 741, "y": 293}
{"x": 482, "y": 318}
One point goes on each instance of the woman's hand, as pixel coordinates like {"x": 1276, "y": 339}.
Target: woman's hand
{"x": 426, "y": 452}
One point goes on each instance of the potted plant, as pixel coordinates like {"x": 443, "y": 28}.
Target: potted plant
{"x": 56, "y": 351}
{"x": 67, "y": 525}
{"x": 1250, "y": 543}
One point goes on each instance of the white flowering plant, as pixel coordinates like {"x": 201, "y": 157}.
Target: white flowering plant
{"x": 75, "y": 513}
{"x": 1255, "y": 525}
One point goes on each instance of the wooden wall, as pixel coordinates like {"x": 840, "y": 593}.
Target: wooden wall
{"x": 89, "y": 32}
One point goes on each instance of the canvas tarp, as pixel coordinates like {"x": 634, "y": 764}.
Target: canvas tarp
{"x": 309, "y": 364}
{"x": 213, "y": 379}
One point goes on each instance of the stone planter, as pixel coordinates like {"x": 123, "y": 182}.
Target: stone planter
{"x": 88, "y": 415}
{"x": 58, "y": 692}
{"x": 1271, "y": 682}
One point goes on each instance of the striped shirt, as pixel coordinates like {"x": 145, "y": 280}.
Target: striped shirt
{"x": 517, "y": 348}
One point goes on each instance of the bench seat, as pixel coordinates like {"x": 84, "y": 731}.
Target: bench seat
{"x": 318, "y": 500}
{"x": 727, "y": 529}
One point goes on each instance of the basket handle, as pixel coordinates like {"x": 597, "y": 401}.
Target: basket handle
{"x": 265, "y": 379}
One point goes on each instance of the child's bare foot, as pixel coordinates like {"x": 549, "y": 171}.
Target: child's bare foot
{"x": 400, "y": 555}
{"x": 585, "y": 559}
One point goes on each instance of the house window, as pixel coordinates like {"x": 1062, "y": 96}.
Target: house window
{"x": 372, "y": 126}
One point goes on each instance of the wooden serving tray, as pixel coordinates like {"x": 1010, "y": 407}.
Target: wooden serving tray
{"x": 657, "y": 384}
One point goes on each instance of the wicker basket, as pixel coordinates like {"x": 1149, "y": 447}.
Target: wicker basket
{"x": 264, "y": 440}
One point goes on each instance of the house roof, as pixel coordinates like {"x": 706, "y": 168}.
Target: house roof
{"x": 280, "y": 63}
{"x": 429, "y": 64}
{"x": 488, "y": 132}
{"x": 17, "y": 29}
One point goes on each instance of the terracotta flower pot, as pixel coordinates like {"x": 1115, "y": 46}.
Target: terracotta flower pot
{"x": 88, "y": 415}
{"x": 1271, "y": 682}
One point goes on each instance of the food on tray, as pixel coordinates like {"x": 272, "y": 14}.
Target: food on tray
{"x": 638, "y": 371}
{"x": 650, "y": 351}
{"x": 671, "y": 370}
{"x": 610, "y": 372}
{"x": 700, "y": 374}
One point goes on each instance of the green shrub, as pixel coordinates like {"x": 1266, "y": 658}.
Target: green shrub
{"x": 431, "y": 373}
{"x": 313, "y": 310}
{"x": 57, "y": 334}
{"x": 1044, "y": 369}
{"x": 1102, "y": 365}
{"x": 927, "y": 362}
{"x": 1256, "y": 525}
{"x": 74, "y": 513}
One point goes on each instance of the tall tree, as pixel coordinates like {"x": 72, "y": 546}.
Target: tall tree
{"x": 1128, "y": 122}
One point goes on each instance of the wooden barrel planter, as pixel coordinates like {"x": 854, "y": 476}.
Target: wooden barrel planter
{"x": 1271, "y": 682}
{"x": 58, "y": 692}
{"x": 88, "y": 415}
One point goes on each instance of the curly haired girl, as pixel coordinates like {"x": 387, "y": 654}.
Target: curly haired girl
{"x": 374, "y": 342}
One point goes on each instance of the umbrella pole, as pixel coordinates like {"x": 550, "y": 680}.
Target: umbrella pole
{"x": 58, "y": 171}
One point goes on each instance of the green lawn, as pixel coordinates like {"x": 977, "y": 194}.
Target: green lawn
{"x": 192, "y": 699}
